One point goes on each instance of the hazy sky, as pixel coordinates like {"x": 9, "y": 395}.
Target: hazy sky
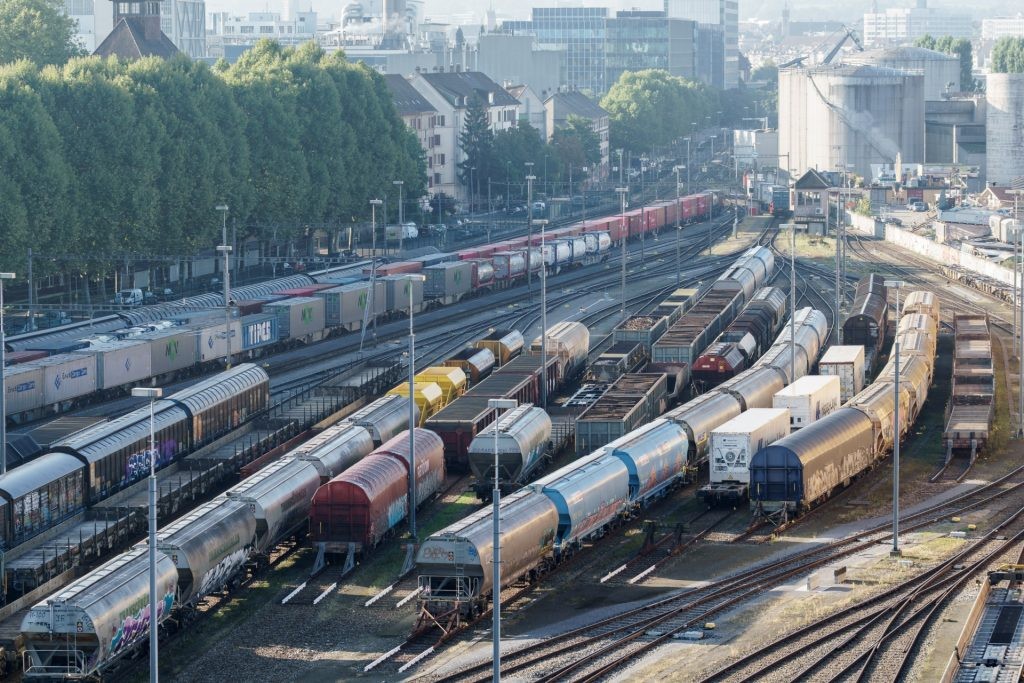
{"x": 764, "y": 9}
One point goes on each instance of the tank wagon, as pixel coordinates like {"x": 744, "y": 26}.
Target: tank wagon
{"x": 752, "y": 388}
{"x": 80, "y": 631}
{"x": 524, "y": 439}
{"x": 548, "y": 520}
{"x": 806, "y": 467}
{"x": 504, "y": 345}
{"x": 969, "y": 421}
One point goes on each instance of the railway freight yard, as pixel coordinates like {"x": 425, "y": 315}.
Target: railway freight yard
{"x": 675, "y": 501}
{"x": 648, "y": 396}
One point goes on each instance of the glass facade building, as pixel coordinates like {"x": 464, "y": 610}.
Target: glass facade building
{"x": 640, "y": 40}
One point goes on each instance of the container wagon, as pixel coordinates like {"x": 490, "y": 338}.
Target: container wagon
{"x": 846, "y": 363}
{"x": 733, "y": 445}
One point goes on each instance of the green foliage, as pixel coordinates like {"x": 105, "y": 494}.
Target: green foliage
{"x": 99, "y": 158}
{"x": 514, "y": 147}
{"x": 767, "y": 72}
{"x": 1008, "y": 56}
{"x": 442, "y": 205}
{"x": 37, "y": 30}
{"x": 576, "y": 144}
{"x": 959, "y": 48}
{"x": 477, "y": 143}
{"x": 863, "y": 206}
{"x": 651, "y": 108}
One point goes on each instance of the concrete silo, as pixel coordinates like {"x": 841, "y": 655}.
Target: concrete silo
{"x": 1004, "y": 128}
{"x": 941, "y": 71}
{"x": 850, "y": 116}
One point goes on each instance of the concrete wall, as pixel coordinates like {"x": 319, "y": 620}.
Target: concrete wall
{"x": 943, "y": 254}
{"x": 1004, "y": 128}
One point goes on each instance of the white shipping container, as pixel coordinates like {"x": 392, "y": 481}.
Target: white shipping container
{"x": 808, "y": 399}
{"x": 67, "y": 376}
{"x": 121, "y": 362}
{"x": 213, "y": 343}
{"x": 734, "y": 443}
{"x": 23, "y": 388}
{"x": 557, "y": 252}
{"x": 846, "y": 363}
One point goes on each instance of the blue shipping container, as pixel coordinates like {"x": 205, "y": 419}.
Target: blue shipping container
{"x": 259, "y": 330}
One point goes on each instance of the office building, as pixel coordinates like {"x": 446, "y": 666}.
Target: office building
{"x": 580, "y": 32}
{"x": 907, "y": 24}
{"x": 723, "y": 13}
{"x": 638, "y": 40}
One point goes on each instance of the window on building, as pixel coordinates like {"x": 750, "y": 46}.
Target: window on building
{"x": 247, "y": 29}
{"x": 437, "y": 178}
{"x": 229, "y": 29}
{"x": 266, "y": 29}
{"x": 440, "y": 159}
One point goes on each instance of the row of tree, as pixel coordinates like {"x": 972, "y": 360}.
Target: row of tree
{"x": 1008, "y": 56}
{"x": 100, "y": 157}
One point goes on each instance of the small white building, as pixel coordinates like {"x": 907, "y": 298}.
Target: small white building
{"x": 531, "y": 107}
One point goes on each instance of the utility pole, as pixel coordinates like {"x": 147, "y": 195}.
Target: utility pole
{"x": 374, "y": 203}
{"x": 529, "y": 226}
{"x": 792, "y": 300}
{"x": 226, "y": 250}
{"x": 623, "y": 191}
{"x": 497, "y": 404}
{"x": 401, "y": 214}
{"x": 31, "y": 299}
{"x": 412, "y": 414}
{"x": 3, "y": 379}
{"x": 543, "y": 320}
{"x": 839, "y": 240}
{"x": 896, "y": 284}
{"x": 679, "y": 228}
{"x": 1020, "y": 299}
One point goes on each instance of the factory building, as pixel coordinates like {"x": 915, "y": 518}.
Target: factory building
{"x": 1004, "y": 129}
{"x": 850, "y": 116}
{"x": 941, "y": 71}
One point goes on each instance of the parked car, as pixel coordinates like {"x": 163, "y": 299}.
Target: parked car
{"x": 128, "y": 297}
{"x": 917, "y": 206}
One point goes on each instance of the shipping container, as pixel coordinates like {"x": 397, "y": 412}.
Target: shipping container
{"x": 172, "y": 349}
{"x": 212, "y": 340}
{"x": 846, "y": 363}
{"x": 809, "y": 399}
{"x": 121, "y": 362}
{"x": 346, "y": 305}
{"x": 67, "y": 376}
{"x": 298, "y": 318}
{"x": 448, "y": 281}
{"x": 308, "y": 290}
{"x": 259, "y": 330}
{"x": 734, "y": 444}
{"x": 483, "y": 273}
{"x": 509, "y": 264}
{"x": 434, "y": 259}
{"x": 23, "y": 388}
{"x": 397, "y": 290}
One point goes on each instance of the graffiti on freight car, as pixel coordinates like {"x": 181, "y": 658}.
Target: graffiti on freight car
{"x": 136, "y": 465}
{"x": 135, "y": 621}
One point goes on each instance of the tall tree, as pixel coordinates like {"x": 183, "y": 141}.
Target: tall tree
{"x": 1008, "y": 56}
{"x": 37, "y": 30}
{"x": 652, "y": 107}
{"x": 957, "y": 47}
{"x": 577, "y": 145}
{"x": 477, "y": 142}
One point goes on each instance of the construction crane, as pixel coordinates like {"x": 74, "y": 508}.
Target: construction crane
{"x": 848, "y": 34}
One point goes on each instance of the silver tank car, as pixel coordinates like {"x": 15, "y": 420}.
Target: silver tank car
{"x": 208, "y": 546}
{"x": 654, "y": 455}
{"x": 570, "y": 341}
{"x": 454, "y": 564}
{"x": 384, "y": 418}
{"x": 754, "y": 388}
{"x": 803, "y": 468}
{"x": 80, "y": 630}
{"x": 335, "y": 449}
{"x": 279, "y": 496}
{"x": 702, "y": 415}
{"x": 523, "y": 436}
{"x": 587, "y": 497}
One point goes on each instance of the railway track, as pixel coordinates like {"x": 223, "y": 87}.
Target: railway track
{"x": 591, "y": 652}
{"x": 874, "y": 639}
